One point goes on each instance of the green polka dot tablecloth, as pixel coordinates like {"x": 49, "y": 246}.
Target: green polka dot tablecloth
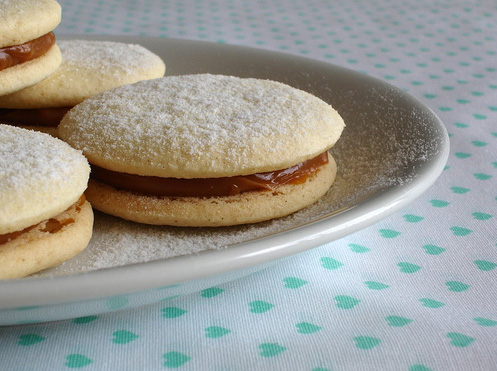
{"x": 414, "y": 292}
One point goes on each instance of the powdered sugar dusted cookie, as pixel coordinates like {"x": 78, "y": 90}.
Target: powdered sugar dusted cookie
{"x": 28, "y": 52}
{"x": 205, "y": 150}
{"x": 88, "y": 67}
{"x": 44, "y": 218}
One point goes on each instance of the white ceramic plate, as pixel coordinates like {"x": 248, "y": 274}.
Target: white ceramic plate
{"x": 391, "y": 151}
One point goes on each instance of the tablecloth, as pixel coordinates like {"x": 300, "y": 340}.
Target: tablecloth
{"x": 415, "y": 292}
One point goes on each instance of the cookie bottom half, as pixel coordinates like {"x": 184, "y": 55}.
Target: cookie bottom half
{"x": 48, "y": 244}
{"x": 244, "y": 208}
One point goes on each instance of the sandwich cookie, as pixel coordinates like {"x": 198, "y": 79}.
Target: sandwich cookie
{"x": 44, "y": 217}
{"x": 28, "y": 52}
{"x": 204, "y": 150}
{"x": 88, "y": 67}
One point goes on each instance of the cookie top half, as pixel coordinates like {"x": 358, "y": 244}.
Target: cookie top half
{"x": 25, "y": 20}
{"x": 40, "y": 176}
{"x": 88, "y": 67}
{"x": 201, "y": 126}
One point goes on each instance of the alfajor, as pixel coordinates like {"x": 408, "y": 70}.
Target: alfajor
{"x": 44, "y": 217}
{"x": 205, "y": 150}
{"x": 88, "y": 67}
{"x": 28, "y": 52}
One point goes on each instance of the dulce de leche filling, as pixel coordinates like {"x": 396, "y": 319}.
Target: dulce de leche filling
{"x": 209, "y": 187}
{"x": 52, "y": 225}
{"x": 49, "y": 117}
{"x": 17, "y": 54}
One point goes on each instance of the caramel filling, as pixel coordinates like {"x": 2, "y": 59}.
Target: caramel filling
{"x": 52, "y": 225}
{"x": 49, "y": 117}
{"x": 17, "y": 54}
{"x": 209, "y": 187}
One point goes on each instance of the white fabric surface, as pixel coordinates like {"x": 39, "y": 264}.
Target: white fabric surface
{"x": 415, "y": 292}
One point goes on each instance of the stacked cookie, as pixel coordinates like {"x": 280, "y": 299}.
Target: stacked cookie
{"x": 204, "y": 150}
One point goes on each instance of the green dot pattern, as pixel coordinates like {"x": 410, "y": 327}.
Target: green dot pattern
{"x": 416, "y": 291}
